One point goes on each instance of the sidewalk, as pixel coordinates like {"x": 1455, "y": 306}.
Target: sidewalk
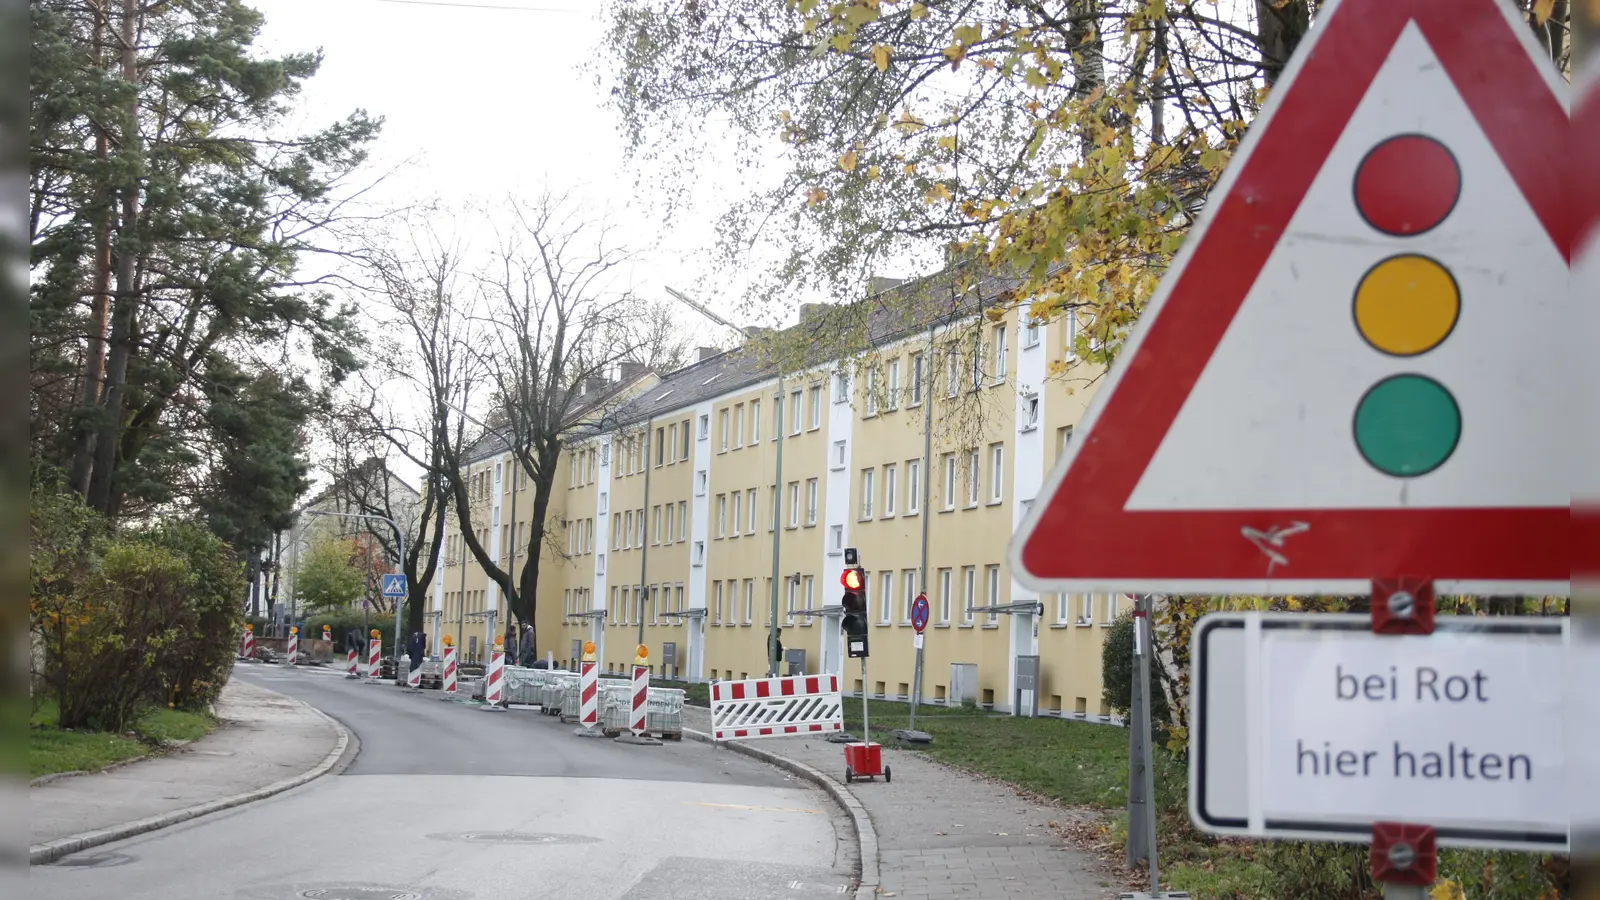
{"x": 266, "y": 743}
{"x": 944, "y": 834}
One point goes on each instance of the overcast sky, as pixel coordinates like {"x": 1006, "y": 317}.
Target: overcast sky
{"x": 479, "y": 102}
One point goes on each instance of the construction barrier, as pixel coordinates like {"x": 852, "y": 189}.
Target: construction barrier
{"x": 589, "y": 695}
{"x": 413, "y": 676}
{"x": 247, "y": 643}
{"x": 353, "y": 662}
{"x": 449, "y": 686}
{"x": 663, "y": 709}
{"x": 775, "y": 707}
{"x": 494, "y": 680}
{"x": 294, "y": 645}
{"x": 525, "y": 687}
{"x": 553, "y": 695}
{"x": 641, "y": 693}
{"x": 374, "y": 658}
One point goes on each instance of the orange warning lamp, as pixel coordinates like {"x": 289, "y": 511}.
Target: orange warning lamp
{"x": 249, "y": 627}
{"x": 376, "y": 633}
{"x": 641, "y": 655}
{"x": 588, "y": 651}
{"x": 499, "y": 640}
{"x": 449, "y": 641}
{"x": 294, "y": 629}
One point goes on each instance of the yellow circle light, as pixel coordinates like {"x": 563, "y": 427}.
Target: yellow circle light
{"x": 642, "y": 652}
{"x": 588, "y": 646}
{"x": 449, "y": 641}
{"x": 249, "y": 627}
{"x": 376, "y": 633}
{"x": 294, "y": 629}
{"x": 499, "y": 640}
{"x": 1407, "y": 305}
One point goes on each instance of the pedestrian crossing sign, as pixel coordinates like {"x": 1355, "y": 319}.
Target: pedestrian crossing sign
{"x": 394, "y": 585}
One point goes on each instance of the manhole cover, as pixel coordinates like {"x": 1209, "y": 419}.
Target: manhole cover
{"x": 512, "y": 837}
{"x": 95, "y": 860}
{"x": 359, "y": 894}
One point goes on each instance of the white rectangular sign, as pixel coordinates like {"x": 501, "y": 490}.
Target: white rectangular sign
{"x": 1310, "y": 726}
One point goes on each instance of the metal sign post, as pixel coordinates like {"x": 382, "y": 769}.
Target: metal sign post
{"x": 919, "y": 621}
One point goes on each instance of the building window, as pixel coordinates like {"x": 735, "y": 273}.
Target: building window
{"x": 1111, "y": 610}
{"x": 1069, "y": 335}
{"x": 997, "y": 471}
{"x": 699, "y": 558}
{"x": 810, "y": 596}
{"x": 683, "y": 448}
{"x": 705, "y": 426}
{"x": 750, "y": 502}
{"x": 909, "y": 577}
{"x": 992, "y": 577}
{"x": 749, "y": 601}
{"x": 1030, "y": 329}
{"x": 716, "y": 611}
{"x": 794, "y": 504}
{"x": 836, "y": 539}
{"x": 638, "y": 522}
{"x": 670, "y": 532}
{"x": 794, "y": 413}
{"x": 944, "y": 596}
{"x": 838, "y": 455}
{"x": 600, "y": 564}
{"x": 1063, "y": 438}
{"x": 602, "y": 507}
{"x": 736, "y": 516}
{"x": 738, "y": 426}
{"x": 1030, "y": 412}
{"x": 661, "y": 446}
{"x": 841, "y": 387}
{"x": 949, "y": 481}
{"x": 868, "y": 487}
{"x": 683, "y": 520}
{"x": 811, "y": 502}
{"x": 627, "y": 529}
{"x": 872, "y": 391}
{"x": 886, "y": 598}
{"x": 974, "y": 477}
{"x": 794, "y": 597}
{"x": 722, "y": 515}
{"x": 892, "y": 395}
{"x": 772, "y": 508}
{"x": 677, "y": 602}
{"x": 890, "y": 489}
{"x": 672, "y": 444}
{"x": 969, "y": 599}
{"x": 1063, "y": 603}
{"x": 1085, "y": 609}
{"x": 700, "y": 482}
{"x": 916, "y": 379}
{"x": 755, "y": 421}
{"x": 816, "y": 406}
{"x": 723, "y": 424}
{"x": 952, "y": 373}
{"x": 655, "y": 525}
{"x": 913, "y": 486}
{"x": 1000, "y": 353}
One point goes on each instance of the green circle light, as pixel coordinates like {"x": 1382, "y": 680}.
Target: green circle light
{"x": 1407, "y": 425}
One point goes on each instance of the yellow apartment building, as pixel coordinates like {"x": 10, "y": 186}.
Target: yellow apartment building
{"x": 670, "y": 505}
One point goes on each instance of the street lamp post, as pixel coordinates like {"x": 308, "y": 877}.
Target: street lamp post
{"x": 400, "y": 539}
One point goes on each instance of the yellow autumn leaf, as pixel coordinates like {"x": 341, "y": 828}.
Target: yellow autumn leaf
{"x": 847, "y": 162}
{"x": 881, "y": 54}
{"x": 1447, "y": 890}
{"x": 987, "y": 64}
{"x": 911, "y": 168}
{"x": 948, "y": 142}
{"x": 874, "y": 173}
{"x": 936, "y": 193}
{"x": 1542, "y": 10}
{"x": 918, "y": 11}
{"x": 815, "y": 196}
{"x": 955, "y": 53}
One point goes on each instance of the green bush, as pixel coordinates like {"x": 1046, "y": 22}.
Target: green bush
{"x": 201, "y": 659}
{"x": 1116, "y": 674}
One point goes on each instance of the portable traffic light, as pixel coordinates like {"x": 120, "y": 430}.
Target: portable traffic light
{"x": 854, "y": 623}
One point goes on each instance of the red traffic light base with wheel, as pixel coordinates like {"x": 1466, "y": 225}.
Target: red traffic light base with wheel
{"x": 864, "y": 760}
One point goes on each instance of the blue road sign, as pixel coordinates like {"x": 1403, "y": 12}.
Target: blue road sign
{"x": 919, "y": 613}
{"x": 394, "y": 585}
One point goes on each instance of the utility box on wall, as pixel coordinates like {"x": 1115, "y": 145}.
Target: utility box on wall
{"x": 795, "y": 661}
{"x": 669, "y": 659}
{"x": 963, "y": 684}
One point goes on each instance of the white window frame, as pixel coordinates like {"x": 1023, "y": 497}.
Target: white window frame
{"x": 1111, "y": 610}
{"x": 892, "y": 395}
{"x": 838, "y": 460}
{"x": 699, "y": 558}
{"x": 944, "y": 596}
{"x": 755, "y": 421}
{"x": 794, "y": 504}
{"x": 602, "y": 506}
{"x": 627, "y": 529}
{"x": 1002, "y": 352}
{"x": 723, "y": 423}
{"x": 974, "y": 478}
{"x": 795, "y": 417}
{"x": 738, "y": 498}
{"x": 670, "y": 534}
{"x": 638, "y": 523}
{"x": 841, "y": 387}
{"x": 869, "y": 485}
{"x": 716, "y": 611}
{"x": 969, "y": 584}
{"x": 913, "y": 486}
{"x": 738, "y": 425}
{"x": 886, "y": 599}
{"x": 816, "y": 407}
{"x": 811, "y": 594}
{"x": 683, "y": 520}
{"x": 600, "y": 564}
{"x": 1063, "y": 608}
{"x": 1069, "y": 335}
{"x": 1030, "y": 411}
{"x": 835, "y": 540}
{"x": 918, "y": 378}
{"x": 891, "y": 488}
{"x": 749, "y": 601}
{"x": 1085, "y": 609}
{"x": 722, "y": 515}
{"x": 811, "y": 502}
{"x": 952, "y": 373}
{"x": 991, "y": 576}
{"x": 997, "y": 472}
{"x": 701, "y": 483}
{"x": 1030, "y": 330}
{"x": 872, "y": 391}
{"x": 908, "y": 591}
{"x": 750, "y": 501}
{"x": 949, "y": 481}
{"x": 705, "y": 427}
{"x": 794, "y": 597}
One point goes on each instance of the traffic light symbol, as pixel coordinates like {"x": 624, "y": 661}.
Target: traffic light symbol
{"x": 854, "y": 602}
{"x": 1407, "y": 424}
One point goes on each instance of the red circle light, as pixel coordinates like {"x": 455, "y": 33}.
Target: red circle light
{"x": 1407, "y": 185}
{"x": 851, "y": 579}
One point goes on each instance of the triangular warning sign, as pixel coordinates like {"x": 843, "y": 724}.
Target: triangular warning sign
{"x": 1348, "y": 372}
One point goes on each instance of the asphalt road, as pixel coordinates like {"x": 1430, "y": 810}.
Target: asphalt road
{"x": 449, "y": 802}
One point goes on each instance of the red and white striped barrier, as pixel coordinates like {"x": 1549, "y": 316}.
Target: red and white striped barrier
{"x": 775, "y": 707}
{"x": 294, "y": 645}
{"x": 353, "y": 664}
{"x": 449, "y": 692}
{"x": 641, "y": 697}
{"x": 494, "y": 681}
{"x": 247, "y": 644}
{"x": 374, "y": 659}
{"x": 589, "y": 695}
{"x": 414, "y": 675}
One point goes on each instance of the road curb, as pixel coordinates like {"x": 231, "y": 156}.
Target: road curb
{"x": 866, "y": 835}
{"x": 42, "y": 854}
